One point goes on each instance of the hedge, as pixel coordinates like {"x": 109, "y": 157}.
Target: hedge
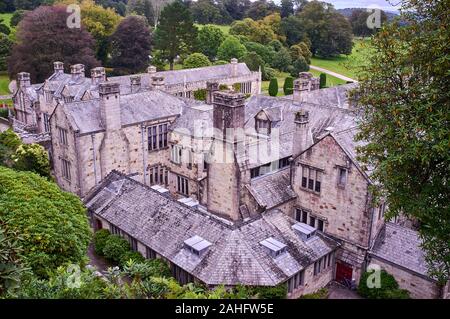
{"x": 388, "y": 287}
{"x": 273, "y": 87}
{"x": 115, "y": 247}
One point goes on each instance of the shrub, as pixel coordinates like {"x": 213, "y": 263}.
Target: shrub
{"x": 220, "y": 62}
{"x": 299, "y": 65}
{"x": 388, "y": 287}
{"x": 319, "y": 294}
{"x": 100, "y": 238}
{"x": 281, "y": 60}
{"x": 200, "y": 94}
{"x": 223, "y": 87}
{"x": 4, "y": 112}
{"x": 323, "y": 80}
{"x": 196, "y": 60}
{"x": 273, "y": 87}
{"x": 52, "y": 224}
{"x": 131, "y": 255}
{"x": 277, "y": 292}
{"x": 237, "y": 87}
{"x": 115, "y": 248}
{"x": 268, "y": 73}
{"x": 288, "y": 86}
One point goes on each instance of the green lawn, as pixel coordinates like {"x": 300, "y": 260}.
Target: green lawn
{"x": 4, "y": 81}
{"x": 225, "y": 28}
{"x": 6, "y": 18}
{"x": 331, "y": 80}
{"x": 343, "y": 64}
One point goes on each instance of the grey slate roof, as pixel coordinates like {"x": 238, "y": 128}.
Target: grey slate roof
{"x": 401, "y": 246}
{"x": 273, "y": 189}
{"x": 174, "y": 77}
{"x": 135, "y": 108}
{"x": 235, "y": 256}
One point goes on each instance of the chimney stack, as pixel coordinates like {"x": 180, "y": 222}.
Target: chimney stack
{"x": 306, "y": 82}
{"x": 135, "y": 83}
{"x": 110, "y": 105}
{"x": 23, "y": 79}
{"x": 228, "y": 110}
{"x": 98, "y": 75}
{"x": 157, "y": 82}
{"x": 211, "y": 88}
{"x": 77, "y": 71}
{"x": 302, "y": 135}
{"x": 58, "y": 67}
{"x": 234, "y": 64}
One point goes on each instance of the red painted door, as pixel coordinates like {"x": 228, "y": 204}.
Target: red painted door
{"x": 343, "y": 271}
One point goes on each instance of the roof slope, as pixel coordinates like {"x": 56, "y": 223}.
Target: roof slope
{"x": 235, "y": 256}
{"x": 401, "y": 246}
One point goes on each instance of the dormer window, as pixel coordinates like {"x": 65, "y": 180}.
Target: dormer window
{"x": 262, "y": 126}
{"x": 197, "y": 245}
{"x": 274, "y": 247}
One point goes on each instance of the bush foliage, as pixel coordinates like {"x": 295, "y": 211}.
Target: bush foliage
{"x": 388, "y": 287}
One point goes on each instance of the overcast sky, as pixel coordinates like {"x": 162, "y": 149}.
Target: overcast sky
{"x": 383, "y": 4}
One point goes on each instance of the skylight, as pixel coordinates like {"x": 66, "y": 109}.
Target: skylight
{"x": 197, "y": 245}
{"x": 275, "y": 247}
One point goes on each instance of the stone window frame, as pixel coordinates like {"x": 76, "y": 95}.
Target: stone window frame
{"x": 323, "y": 263}
{"x": 176, "y": 152}
{"x": 263, "y": 126}
{"x": 296, "y": 281}
{"x": 182, "y": 185}
{"x": 65, "y": 169}
{"x": 62, "y": 134}
{"x": 342, "y": 183}
{"x": 158, "y": 175}
{"x": 302, "y": 214}
{"x": 157, "y": 136}
{"x": 46, "y": 122}
{"x": 311, "y": 178}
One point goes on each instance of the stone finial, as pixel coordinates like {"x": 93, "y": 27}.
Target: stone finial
{"x": 23, "y": 79}
{"x": 157, "y": 82}
{"x": 58, "y": 67}
{"x": 151, "y": 69}
{"x": 211, "y": 87}
{"x": 234, "y": 64}
{"x": 234, "y": 61}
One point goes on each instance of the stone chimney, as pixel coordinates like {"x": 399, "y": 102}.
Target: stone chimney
{"x": 58, "y": 67}
{"x": 157, "y": 82}
{"x": 224, "y": 177}
{"x": 98, "y": 75}
{"x": 23, "y": 79}
{"x": 135, "y": 83}
{"x": 302, "y": 135}
{"x": 234, "y": 65}
{"x": 211, "y": 88}
{"x": 306, "y": 82}
{"x": 110, "y": 105}
{"x": 77, "y": 71}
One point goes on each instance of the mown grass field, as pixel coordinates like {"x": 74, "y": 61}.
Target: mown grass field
{"x": 345, "y": 64}
{"x": 4, "y": 81}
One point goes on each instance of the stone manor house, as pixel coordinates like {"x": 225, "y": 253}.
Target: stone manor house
{"x": 241, "y": 188}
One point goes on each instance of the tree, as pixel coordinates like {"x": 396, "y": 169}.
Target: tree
{"x": 300, "y": 50}
{"x": 131, "y": 45}
{"x": 17, "y": 17}
{"x": 30, "y": 4}
{"x": 273, "y": 87}
{"x": 299, "y": 65}
{"x": 143, "y": 8}
{"x": 9, "y": 142}
{"x": 358, "y": 21}
{"x": 5, "y": 50}
{"x": 253, "y": 61}
{"x": 176, "y": 33}
{"x": 45, "y": 30}
{"x": 231, "y": 48}
{"x": 282, "y": 60}
{"x": 323, "y": 80}
{"x": 293, "y": 30}
{"x": 256, "y": 31}
{"x": 329, "y": 31}
{"x": 7, "y": 6}
{"x": 266, "y": 52}
{"x": 288, "y": 87}
{"x": 287, "y": 8}
{"x": 260, "y": 9}
{"x": 207, "y": 11}
{"x": 99, "y": 22}
{"x": 52, "y": 223}
{"x": 209, "y": 39}
{"x": 196, "y": 60}
{"x": 404, "y": 101}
